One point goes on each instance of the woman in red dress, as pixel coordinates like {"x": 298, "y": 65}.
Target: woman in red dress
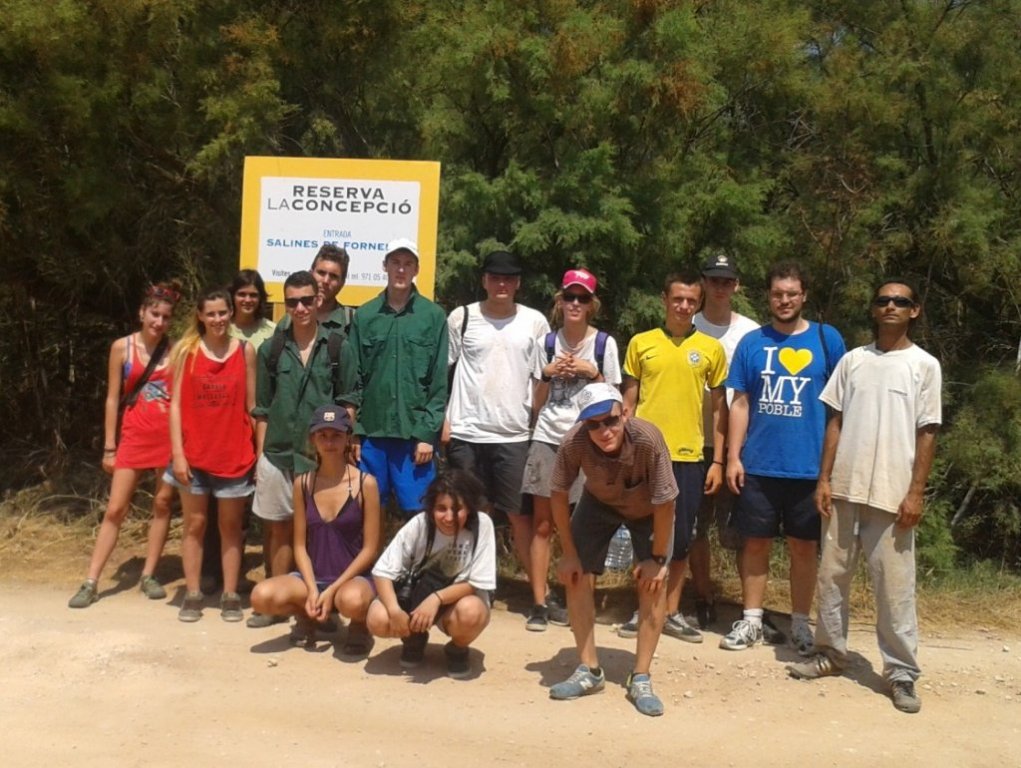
{"x": 212, "y": 444}
{"x": 143, "y": 441}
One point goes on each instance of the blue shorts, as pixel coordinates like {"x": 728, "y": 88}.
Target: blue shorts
{"x": 690, "y": 477}
{"x": 204, "y": 484}
{"x": 769, "y": 506}
{"x": 391, "y": 460}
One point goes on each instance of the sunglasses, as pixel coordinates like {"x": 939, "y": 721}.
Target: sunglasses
{"x": 305, "y": 301}
{"x": 580, "y": 298}
{"x": 610, "y": 421}
{"x": 901, "y": 302}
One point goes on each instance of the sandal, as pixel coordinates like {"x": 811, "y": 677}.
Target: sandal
{"x": 358, "y": 642}
{"x": 303, "y": 633}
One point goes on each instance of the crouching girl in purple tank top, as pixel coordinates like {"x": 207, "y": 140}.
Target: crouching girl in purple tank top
{"x": 336, "y": 539}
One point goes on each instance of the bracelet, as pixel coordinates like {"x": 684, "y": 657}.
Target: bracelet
{"x": 109, "y": 450}
{"x": 438, "y": 597}
{"x": 718, "y": 462}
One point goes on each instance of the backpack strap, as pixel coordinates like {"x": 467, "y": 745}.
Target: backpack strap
{"x": 550, "y": 345}
{"x": 453, "y": 368}
{"x": 333, "y": 344}
{"x": 825, "y": 351}
{"x": 601, "y": 337}
{"x": 349, "y": 316}
{"x": 276, "y": 348}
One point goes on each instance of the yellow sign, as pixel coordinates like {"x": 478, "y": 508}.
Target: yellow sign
{"x": 292, "y": 206}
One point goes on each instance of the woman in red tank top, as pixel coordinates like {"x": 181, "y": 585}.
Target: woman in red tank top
{"x": 212, "y": 444}
{"x": 143, "y": 441}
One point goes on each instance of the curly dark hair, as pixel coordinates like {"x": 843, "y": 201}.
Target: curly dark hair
{"x": 466, "y": 491}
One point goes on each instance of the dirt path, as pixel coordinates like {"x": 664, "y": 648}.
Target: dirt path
{"x": 124, "y": 683}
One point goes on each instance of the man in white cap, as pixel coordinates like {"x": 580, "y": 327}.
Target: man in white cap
{"x": 629, "y": 480}
{"x": 401, "y": 340}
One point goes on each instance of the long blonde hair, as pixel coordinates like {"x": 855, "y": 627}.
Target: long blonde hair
{"x": 190, "y": 339}
{"x": 556, "y": 315}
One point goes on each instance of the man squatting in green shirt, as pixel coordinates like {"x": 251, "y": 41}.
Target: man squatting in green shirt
{"x": 303, "y": 378}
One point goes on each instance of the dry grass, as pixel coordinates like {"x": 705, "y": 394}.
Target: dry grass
{"x": 968, "y": 599}
{"x": 47, "y": 533}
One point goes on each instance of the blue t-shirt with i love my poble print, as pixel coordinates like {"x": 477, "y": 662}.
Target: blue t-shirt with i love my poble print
{"x": 783, "y": 377}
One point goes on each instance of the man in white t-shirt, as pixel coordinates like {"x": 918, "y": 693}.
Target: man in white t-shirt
{"x": 493, "y": 343}
{"x": 877, "y": 454}
{"x": 718, "y": 319}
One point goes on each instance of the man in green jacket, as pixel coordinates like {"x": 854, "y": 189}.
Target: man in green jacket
{"x": 401, "y": 340}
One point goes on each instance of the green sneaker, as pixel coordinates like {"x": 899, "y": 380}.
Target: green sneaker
{"x": 152, "y": 588}
{"x": 230, "y": 607}
{"x": 85, "y": 596}
{"x": 191, "y": 608}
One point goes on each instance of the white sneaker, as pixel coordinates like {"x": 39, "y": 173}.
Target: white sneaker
{"x": 742, "y": 636}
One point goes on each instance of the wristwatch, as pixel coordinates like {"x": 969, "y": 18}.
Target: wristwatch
{"x": 658, "y": 559}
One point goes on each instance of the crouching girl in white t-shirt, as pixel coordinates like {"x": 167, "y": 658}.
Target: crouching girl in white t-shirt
{"x": 439, "y": 569}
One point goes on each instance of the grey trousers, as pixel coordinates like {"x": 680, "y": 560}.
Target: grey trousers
{"x": 853, "y": 530}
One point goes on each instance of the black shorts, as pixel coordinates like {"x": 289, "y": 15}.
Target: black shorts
{"x": 771, "y": 506}
{"x": 690, "y": 477}
{"x": 593, "y": 525}
{"x": 499, "y": 466}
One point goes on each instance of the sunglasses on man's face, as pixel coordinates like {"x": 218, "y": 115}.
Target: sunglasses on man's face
{"x": 292, "y": 302}
{"x": 901, "y": 302}
{"x": 580, "y": 298}
{"x": 609, "y": 421}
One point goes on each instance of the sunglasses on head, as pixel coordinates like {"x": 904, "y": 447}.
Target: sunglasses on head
{"x": 293, "y": 301}
{"x": 901, "y": 302}
{"x": 580, "y": 298}
{"x": 609, "y": 421}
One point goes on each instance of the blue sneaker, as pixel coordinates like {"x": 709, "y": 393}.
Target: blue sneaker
{"x": 639, "y": 693}
{"x": 581, "y": 683}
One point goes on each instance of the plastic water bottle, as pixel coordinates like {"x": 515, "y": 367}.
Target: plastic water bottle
{"x": 620, "y": 554}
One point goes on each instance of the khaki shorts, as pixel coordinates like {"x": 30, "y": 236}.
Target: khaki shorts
{"x": 539, "y": 470}
{"x": 274, "y": 492}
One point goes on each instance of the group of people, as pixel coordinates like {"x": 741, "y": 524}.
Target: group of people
{"x": 765, "y": 430}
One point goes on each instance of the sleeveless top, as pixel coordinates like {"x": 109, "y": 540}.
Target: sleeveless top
{"x": 215, "y": 424}
{"x": 144, "y": 441}
{"x": 333, "y": 545}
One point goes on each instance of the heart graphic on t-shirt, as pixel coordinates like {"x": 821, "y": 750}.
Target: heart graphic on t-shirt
{"x": 795, "y": 360}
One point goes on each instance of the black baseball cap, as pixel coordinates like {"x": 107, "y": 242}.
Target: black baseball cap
{"x": 501, "y": 263}
{"x": 720, "y": 265}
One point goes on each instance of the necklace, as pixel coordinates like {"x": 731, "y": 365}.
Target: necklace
{"x": 573, "y": 348}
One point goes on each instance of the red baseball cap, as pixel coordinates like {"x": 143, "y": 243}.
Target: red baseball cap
{"x": 581, "y": 277}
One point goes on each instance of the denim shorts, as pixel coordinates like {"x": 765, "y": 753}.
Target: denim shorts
{"x": 204, "y": 484}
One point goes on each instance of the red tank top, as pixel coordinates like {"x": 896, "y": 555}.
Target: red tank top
{"x": 145, "y": 426}
{"x": 215, "y": 425}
